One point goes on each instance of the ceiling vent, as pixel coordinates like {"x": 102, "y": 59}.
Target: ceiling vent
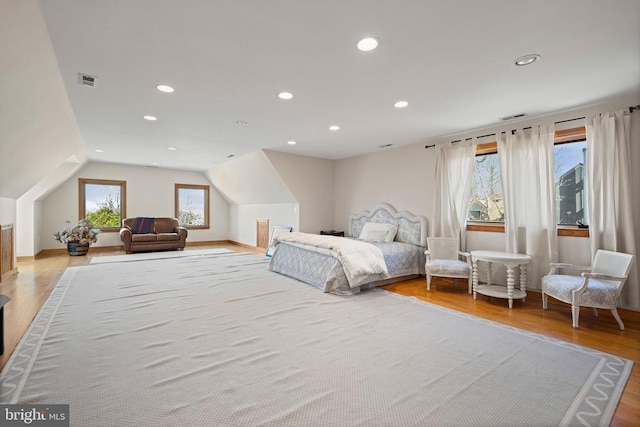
{"x": 515, "y": 116}
{"x": 385, "y": 145}
{"x": 86, "y": 80}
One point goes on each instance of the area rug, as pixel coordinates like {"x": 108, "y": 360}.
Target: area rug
{"x": 221, "y": 341}
{"x": 144, "y": 256}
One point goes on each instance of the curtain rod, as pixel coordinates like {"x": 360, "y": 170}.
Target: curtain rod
{"x": 631, "y": 109}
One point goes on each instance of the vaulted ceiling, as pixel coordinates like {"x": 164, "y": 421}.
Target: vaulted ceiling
{"x": 452, "y": 61}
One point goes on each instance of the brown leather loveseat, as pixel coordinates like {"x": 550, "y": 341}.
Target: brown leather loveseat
{"x": 144, "y": 234}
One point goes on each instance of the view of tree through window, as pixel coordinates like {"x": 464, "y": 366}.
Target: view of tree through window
{"x": 102, "y": 202}
{"x": 486, "y": 203}
{"x": 192, "y": 205}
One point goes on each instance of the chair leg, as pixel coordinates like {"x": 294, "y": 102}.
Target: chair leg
{"x": 617, "y": 316}
{"x": 470, "y": 284}
{"x": 428, "y": 282}
{"x": 544, "y": 301}
{"x": 575, "y": 311}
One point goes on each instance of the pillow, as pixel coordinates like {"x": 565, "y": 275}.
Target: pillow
{"x": 378, "y": 232}
{"x": 142, "y": 225}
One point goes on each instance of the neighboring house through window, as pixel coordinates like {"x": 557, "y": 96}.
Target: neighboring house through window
{"x": 102, "y": 202}
{"x": 486, "y": 204}
{"x": 192, "y": 205}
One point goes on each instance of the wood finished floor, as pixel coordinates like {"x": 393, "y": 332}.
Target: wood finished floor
{"x": 32, "y": 285}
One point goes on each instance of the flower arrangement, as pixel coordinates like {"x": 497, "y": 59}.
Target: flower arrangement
{"x": 82, "y": 233}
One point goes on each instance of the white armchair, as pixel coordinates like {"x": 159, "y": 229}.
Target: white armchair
{"x": 598, "y": 287}
{"x": 445, "y": 260}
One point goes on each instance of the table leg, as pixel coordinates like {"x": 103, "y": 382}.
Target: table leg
{"x": 523, "y": 279}
{"x": 510, "y": 285}
{"x": 474, "y": 277}
{"x": 489, "y": 273}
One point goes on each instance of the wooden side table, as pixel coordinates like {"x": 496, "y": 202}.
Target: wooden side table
{"x": 3, "y": 300}
{"x": 510, "y": 261}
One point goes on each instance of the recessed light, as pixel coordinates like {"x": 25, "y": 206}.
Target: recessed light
{"x": 367, "y": 44}
{"x": 526, "y": 60}
{"x": 99, "y": 151}
{"x": 155, "y": 163}
{"x": 165, "y": 88}
{"x": 285, "y": 95}
{"x": 334, "y": 127}
{"x": 172, "y": 148}
{"x": 150, "y": 118}
{"x": 291, "y": 142}
{"x": 401, "y": 104}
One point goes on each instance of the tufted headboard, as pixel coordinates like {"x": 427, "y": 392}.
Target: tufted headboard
{"x": 411, "y": 228}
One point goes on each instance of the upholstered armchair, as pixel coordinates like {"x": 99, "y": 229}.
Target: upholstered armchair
{"x": 445, "y": 260}
{"x": 598, "y": 286}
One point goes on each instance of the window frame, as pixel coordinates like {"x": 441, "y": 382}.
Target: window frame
{"x": 207, "y": 206}
{"x": 82, "y": 207}
{"x": 561, "y": 137}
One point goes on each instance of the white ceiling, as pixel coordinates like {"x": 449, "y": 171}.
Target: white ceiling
{"x": 451, "y": 60}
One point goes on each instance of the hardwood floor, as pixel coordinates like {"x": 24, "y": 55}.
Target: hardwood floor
{"x": 30, "y": 288}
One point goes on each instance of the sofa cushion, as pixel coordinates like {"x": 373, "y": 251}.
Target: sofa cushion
{"x": 142, "y": 225}
{"x": 168, "y": 237}
{"x": 149, "y": 237}
{"x": 166, "y": 225}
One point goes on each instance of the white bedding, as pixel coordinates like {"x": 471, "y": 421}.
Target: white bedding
{"x": 359, "y": 259}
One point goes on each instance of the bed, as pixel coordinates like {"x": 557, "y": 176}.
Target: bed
{"x": 327, "y": 262}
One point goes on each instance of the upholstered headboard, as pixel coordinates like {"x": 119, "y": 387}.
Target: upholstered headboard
{"x": 411, "y": 228}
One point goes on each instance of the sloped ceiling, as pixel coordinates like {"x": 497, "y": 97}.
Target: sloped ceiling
{"x": 38, "y": 131}
{"x": 250, "y": 179}
{"x": 227, "y": 59}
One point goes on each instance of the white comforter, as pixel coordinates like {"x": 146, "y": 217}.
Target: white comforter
{"x": 358, "y": 258}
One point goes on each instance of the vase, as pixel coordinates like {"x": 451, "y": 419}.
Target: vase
{"x": 77, "y": 249}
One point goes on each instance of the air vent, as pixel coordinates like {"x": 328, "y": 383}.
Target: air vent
{"x": 385, "y": 145}
{"x": 86, "y": 80}
{"x": 230, "y": 156}
{"x": 515, "y": 116}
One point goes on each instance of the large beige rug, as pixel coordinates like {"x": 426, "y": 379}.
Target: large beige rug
{"x": 221, "y": 341}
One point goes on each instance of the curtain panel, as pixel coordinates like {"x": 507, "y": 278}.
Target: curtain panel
{"x": 454, "y": 175}
{"x": 609, "y": 191}
{"x": 528, "y": 185}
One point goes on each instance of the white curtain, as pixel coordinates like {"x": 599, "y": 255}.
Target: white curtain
{"x": 609, "y": 191}
{"x": 454, "y": 175}
{"x": 526, "y": 165}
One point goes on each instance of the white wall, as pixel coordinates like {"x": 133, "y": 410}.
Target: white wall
{"x": 403, "y": 177}
{"x": 311, "y": 180}
{"x": 150, "y": 192}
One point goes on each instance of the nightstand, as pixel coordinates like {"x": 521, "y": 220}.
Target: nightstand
{"x": 332, "y": 233}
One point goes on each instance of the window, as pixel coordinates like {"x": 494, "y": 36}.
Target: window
{"x": 102, "y": 202}
{"x": 570, "y": 160}
{"x": 486, "y": 204}
{"x": 192, "y": 205}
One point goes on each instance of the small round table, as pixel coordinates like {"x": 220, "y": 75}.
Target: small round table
{"x": 511, "y": 261}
